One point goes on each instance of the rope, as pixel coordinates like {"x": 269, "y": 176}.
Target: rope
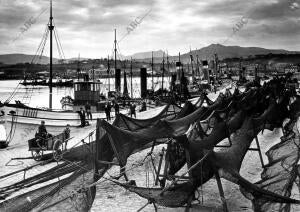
{"x": 12, "y": 128}
{"x": 147, "y": 175}
{"x": 44, "y": 38}
{"x": 111, "y": 177}
{"x": 26, "y": 169}
{"x": 58, "y": 41}
{"x": 28, "y": 96}
{"x": 13, "y": 93}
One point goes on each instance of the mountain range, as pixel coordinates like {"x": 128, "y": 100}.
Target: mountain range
{"x": 24, "y": 58}
{"x": 233, "y": 52}
{"x": 203, "y": 54}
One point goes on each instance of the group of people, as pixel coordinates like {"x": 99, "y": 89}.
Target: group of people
{"x": 108, "y": 107}
{"x": 42, "y": 133}
{"x": 115, "y": 105}
{"x": 87, "y": 114}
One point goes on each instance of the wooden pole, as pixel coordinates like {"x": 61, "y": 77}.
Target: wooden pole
{"x": 259, "y": 152}
{"x": 221, "y": 191}
{"x": 50, "y": 27}
{"x": 191, "y": 168}
{"x": 152, "y": 71}
{"x": 161, "y": 155}
{"x": 108, "y": 70}
{"x": 115, "y": 51}
{"x": 131, "y": 89}
{"x": 121, "y": 162}
{"x": 163, "y": 73}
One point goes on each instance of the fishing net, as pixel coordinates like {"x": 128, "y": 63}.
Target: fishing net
{"x": 228, "y": 160}
{"x": 73, "y": 175}
{"x": 175, "y": 197}
{"x": 281, "y": 172}
{"x": 123, "y": 143}
{"x": 65, "y": 195}
{"x": 53, "y": 173}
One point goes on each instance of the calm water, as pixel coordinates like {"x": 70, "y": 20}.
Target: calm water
{"x": 38, "y": 96}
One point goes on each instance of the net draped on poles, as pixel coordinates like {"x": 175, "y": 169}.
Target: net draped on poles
{"x": 238, "y": 117}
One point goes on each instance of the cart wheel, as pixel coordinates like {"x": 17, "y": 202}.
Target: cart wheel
{"x": 37, "y": 154}
{"x": 57, "y": 150}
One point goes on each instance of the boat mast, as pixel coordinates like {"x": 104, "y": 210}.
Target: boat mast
{"x": 192, "y": 59}
{"x": 115, "y": 51}
{"x": 216, "y": 66}
{"x": 152, "y": 71}
{"x": 78, "y": 67}
{"x": 163, "y": 73}
{"x": 50, "y": 27}
{"x": 93, "y": 72}
{"x": 108, "y": 72}
{"x": 197, "y": 69}
{"x": 168, "y": 64}
{"x": 131, "y": 89}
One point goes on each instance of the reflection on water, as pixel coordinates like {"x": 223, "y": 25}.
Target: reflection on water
{"x": 34, "y": 96}
{"x": 38, "y": 96}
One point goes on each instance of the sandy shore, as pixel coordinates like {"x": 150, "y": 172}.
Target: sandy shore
{"x": 110, "y": 197}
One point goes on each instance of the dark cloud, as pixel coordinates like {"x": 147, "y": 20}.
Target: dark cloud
{"x": 278, "y": 10}
{"x": 86, "y": 26}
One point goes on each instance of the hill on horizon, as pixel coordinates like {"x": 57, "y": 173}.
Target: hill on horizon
{"x": 205, "y": 53}
{"x": 24, "y": 58}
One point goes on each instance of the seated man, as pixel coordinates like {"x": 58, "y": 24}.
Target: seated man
{"x": 42, "y": 132}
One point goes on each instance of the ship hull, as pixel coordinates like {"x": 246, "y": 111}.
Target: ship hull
{"x": 21, "y": 124}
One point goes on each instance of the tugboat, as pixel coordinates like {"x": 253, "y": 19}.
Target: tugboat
{"x": 86, "y": 92}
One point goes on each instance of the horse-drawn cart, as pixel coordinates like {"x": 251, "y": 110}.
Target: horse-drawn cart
{"x": 57, "y": 144}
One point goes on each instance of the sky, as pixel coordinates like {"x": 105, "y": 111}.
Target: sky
{"x": 86, "y": 27}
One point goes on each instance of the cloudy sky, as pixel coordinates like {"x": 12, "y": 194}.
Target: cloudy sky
{"x": 87, "y": 26}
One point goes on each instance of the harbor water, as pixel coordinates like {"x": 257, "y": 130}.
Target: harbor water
{"x": 38, "y": 96}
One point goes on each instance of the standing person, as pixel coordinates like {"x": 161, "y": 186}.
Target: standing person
{"x": 107, "y": 111}
{"x": 82, "y": 117}
{"x": 117, "y": 109}
{"x": 144, "y": 106}
{"x": 88, "y": 111}
{"x": 132, "y": 110}
{"x": 67, "y": 132}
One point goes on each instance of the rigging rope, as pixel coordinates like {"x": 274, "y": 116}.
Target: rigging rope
{"x": 59, "y": 43}
{"x": 45, "y": 35}
{"x": 13, "y": 93}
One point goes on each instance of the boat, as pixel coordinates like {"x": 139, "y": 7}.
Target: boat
{"x": 34, "y": 82}
{"x": 21, "y": 121}
{"x": 58, "y": 83}
{"x": 86, "y": 92}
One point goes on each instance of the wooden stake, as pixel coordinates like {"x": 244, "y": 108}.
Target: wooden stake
{"x": 191, "y": 168}
{"x": 221, "y": 191}
{"x": 122, "y": 164}
{"x": 159, "y": 165}
{"x": 166, "y": 162}
{"x": 259, "y": 152}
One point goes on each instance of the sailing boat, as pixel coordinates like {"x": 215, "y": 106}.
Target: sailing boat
{"x": 21, "y": 121}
